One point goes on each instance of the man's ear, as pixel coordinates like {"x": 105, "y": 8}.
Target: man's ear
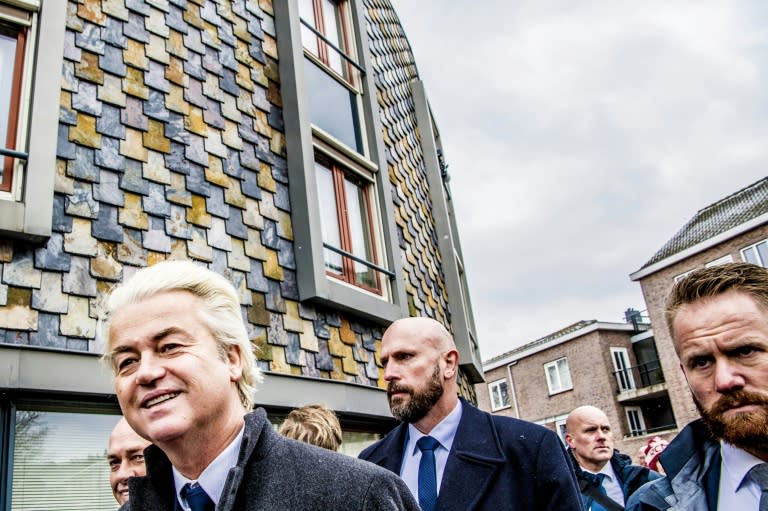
{"x": 451, "y": 359}
{"x": 569, "y": 440}
{"x": 235, "y": 362}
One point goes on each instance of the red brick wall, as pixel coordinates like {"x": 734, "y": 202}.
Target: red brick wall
{"x": 656, "y": 288}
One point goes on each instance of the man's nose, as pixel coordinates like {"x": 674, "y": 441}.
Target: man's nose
{"x": 391, "y": 372}
{"x": 150, "y": 369}
{"x": 728, "y": 376}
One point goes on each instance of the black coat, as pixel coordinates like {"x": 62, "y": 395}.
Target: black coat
{"x": 495, "y": 463}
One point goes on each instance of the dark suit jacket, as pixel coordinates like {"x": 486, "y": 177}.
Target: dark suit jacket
{"x": 495, "y": 463}
{"x": 276, "y": 473}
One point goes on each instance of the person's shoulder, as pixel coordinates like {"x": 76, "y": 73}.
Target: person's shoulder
{"x": 651, "y": 496}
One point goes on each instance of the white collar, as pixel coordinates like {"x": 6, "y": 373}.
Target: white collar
{"x": 214, "y": 476}
{"x": 736, "y": 463}
{"x": 444, "y": 432}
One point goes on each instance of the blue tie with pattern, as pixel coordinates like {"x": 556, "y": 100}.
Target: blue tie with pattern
{"x": 595, "y": 505}
{"x": 427, "y": 473}
{"x": 196, "y": 498}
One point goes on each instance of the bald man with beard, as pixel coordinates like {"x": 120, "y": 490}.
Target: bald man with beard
{"x": 473, "y": 460}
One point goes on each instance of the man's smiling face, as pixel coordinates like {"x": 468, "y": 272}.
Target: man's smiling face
{"x": 171, "y": 379}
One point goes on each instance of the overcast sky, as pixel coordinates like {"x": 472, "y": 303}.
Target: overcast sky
{"x": 581, "y": 136}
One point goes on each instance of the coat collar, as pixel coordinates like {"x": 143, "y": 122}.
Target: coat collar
{"x": 476, "y": 456}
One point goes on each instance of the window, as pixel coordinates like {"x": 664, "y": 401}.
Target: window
{"x": 558, "y": 376}
{"x": 12, "y": 45}
{"x": 347, "y": 218}
{"x": 680, "y": 277}
{"x": 720, "y": 260}
{"x": 499, "y": 391}
{"x": 635, "y": 420}
{"x": 31, "y": 40}
{"x": 623, "y": 371}
{"x": 341, "y": 198}
{"x": 59, "y": 461}
{"x": 331, "y": 71}
{"x": 756, "y": 254}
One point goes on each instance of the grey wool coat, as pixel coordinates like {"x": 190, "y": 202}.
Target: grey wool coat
{"x": 276, "y": 473}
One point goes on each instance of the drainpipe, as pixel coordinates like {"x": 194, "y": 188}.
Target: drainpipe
{"x": 512, "y": 385}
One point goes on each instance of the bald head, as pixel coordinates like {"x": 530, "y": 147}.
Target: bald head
{"x": 590, "y": 437}
{"x": 420, "y": 366}
{"x": 425, "y": 330}
{"x": 125, "y": 454}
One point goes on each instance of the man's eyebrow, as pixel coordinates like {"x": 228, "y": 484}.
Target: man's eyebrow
{"x": 117, "y": 350}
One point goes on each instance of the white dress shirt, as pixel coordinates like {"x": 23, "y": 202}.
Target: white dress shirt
{"x": 610, "y": 483}
{"x": 444, "y": 432}
{"x": 736, "y": 490}
{"x": 214, "y": 476}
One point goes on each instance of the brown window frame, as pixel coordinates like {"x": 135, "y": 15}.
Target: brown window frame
{"x": 340, "y": 174}
{"x": 6, "y": 182}
{"x": 346, "y": 40}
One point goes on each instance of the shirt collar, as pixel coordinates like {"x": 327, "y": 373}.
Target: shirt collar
{"x": 607, "y": 471}
{"x": 736, "y": 463}
{"x": 444, "y": 432}
{"x": 214, "y": 476}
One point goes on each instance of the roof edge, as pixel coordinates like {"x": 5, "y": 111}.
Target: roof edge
{"x": 699, "y": 247}
{"x": 522, "y": 352}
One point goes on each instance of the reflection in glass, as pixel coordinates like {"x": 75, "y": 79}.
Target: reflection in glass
{"x": 60, "y": 462}
{"x": 329, "y": 219}
{"x": 360, "y": 232}
{"x": 333, "y": 107}
{"x": 7, "y": 63}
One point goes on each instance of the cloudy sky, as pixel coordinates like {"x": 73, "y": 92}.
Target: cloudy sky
{"x": 581, "y": 136}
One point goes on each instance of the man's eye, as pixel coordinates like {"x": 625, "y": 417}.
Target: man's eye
{"x": 125, "y": 363}
{"x": 700, "y": 362}
{"x": 139, "y": 458}
{"x": 114, "y": 465}
{"x": 169, "y": 347}
{"x": 745, "y": 351}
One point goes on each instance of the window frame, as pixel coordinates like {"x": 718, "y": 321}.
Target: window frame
{"x": 491, "y": 388}
{"x": 754, "y": 248}
{"x": 14, "y": 104}
{"x": 340, "y": 174}
{"x": 727, "y": 258}
{"x": 638, "y": 412}
{"x": 550, "y": 384}
{"x": 627, "y": 382}
{"x": 302, "y": 139}
{"x": 26, "y": 211}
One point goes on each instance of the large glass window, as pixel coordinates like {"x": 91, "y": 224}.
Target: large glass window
{"x": 60, "y": 462}
{"x": 499, "y": 391}
{"x": 756, "y": 254}
{"x": 558, "y": 376}
{"x": 13, "y": 35}
{"x": 347, "y": 223}
{"x": 330, "y": 69}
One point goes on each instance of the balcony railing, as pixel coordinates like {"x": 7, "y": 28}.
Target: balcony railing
{"x": 650, "y": 431}
{"x": 639, "y": 376}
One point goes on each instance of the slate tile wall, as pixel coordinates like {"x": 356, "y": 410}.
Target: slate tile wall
{"x": 171, "y": 146}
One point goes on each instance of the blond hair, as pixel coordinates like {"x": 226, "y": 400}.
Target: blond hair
{"x": 313, "y": 424}
{"x": 220, "y": 311}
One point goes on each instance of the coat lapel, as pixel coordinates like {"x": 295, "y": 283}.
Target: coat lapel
{"x": 389, "y": 453}
{"x": 476, "y": 457}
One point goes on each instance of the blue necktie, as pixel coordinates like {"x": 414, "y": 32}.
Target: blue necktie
{"x": 196, "y": 498}
{"x": 427, "y": 473}
{"x": 595, "y": 505}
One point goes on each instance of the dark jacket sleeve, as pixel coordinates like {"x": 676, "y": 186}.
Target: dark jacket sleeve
{"x": 388, "y": 492}
{"x": 557, "y": 488}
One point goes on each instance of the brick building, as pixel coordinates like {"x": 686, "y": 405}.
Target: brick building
{"x": 734, "y": 228}
{"x": 613, "y": 366}
{"x": 288, "y": 145}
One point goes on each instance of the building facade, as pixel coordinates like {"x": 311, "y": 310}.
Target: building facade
{"x": 734, "y": 228}
{"x": 287, "y": 145}
{"x": 613, "y": 366}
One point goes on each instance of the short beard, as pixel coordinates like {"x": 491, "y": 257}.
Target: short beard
{"x": 747, "y": 430}
{"x": 418, "y": 406}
